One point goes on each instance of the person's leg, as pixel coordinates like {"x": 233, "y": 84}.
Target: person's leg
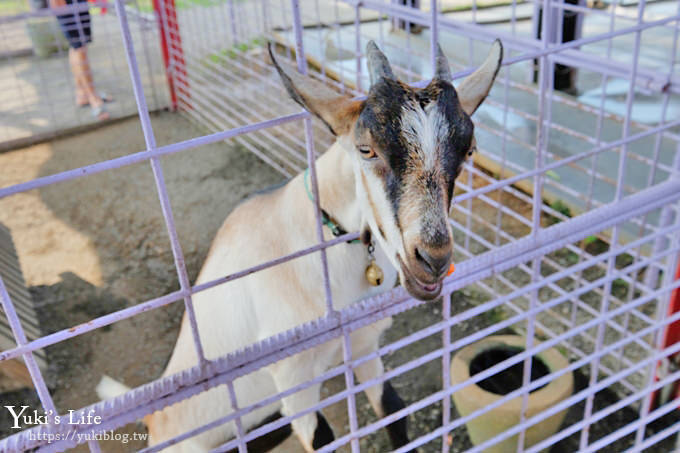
{"x": 80, "y": 66}
{"x": 81, "y": 97}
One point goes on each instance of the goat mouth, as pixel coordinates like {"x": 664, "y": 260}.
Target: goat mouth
{"x": 416, "y": 288}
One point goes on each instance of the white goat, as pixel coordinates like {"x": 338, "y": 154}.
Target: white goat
{"x": 389, "y": 175}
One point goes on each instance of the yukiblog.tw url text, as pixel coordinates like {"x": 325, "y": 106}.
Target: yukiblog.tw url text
{"x": 85, "y": 437}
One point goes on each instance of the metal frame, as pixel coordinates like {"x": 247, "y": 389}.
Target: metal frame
{"x": 528, "y": 252}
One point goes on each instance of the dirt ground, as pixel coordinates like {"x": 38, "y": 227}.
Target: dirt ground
{"x": 97, "y": 244}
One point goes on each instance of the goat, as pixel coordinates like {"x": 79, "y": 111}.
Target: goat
{"x": 390, "y": 175}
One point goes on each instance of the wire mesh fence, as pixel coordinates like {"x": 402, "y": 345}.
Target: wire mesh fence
{"x": 39, "y": 98}
{"x": 566, "y": 221}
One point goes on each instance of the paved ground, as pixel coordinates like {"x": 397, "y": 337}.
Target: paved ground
{"x": 566, "y": 183}
{"x": 37, "y": 96}
{"x": 215, "y": 69}
{"x": 38, "y": 93}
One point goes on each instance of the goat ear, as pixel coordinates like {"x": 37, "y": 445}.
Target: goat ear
{"x": 337, "y": 111}
{"x": 474, "y": 88}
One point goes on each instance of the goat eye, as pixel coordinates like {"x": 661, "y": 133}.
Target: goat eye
{"x": 367, "y": 152}
{"x": 471, "y": 151}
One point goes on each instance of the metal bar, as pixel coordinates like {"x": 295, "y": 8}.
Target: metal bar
{"x": 488, "y": 253}
{"x": 545, "y": 84}
{"x": 557, "y": 164}
{"x": 141, "y": 156}
{"x": 561, "y": 52}
{"x": 311, "y": 156}
{"x": 594, "y": 370}
{"x": 488, "y": 372}
{"x": 166, "y": 209}
{"x": 29, "y": 360}
{"x": 242, "y": 448}
{"x": 461, "y": 343}
{"x": 471, "y": 270}
{"x": 490, "y": 260}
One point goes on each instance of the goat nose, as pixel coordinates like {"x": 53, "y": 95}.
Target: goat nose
{"x": 437, "y": 266}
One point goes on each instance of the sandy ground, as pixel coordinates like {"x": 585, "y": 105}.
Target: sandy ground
{"x": 97, "y": 244}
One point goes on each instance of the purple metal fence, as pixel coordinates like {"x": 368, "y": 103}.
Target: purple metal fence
{"x": 38, "y": 89}
{"x": 561, "y": 169}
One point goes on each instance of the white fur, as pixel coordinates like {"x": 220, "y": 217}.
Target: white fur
{"x": 247, "y": 310}
{"x": 250, "y": 309}
{"x": 109, "y": 388}
{"x": 424, "y": 129}
{"x": 392, "y": 243}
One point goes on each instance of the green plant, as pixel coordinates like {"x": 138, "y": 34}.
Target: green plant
{"x": 495, "y": 315}
{"x": 562, "y": 350}
{"x": 561, "y": 207}
{"x": 237, "y": 49}
{"x": 619, "y": 288}
{"x": 566, "y": 256}
{"x": 589, "y": 240}
{"x": 553, "y": 175}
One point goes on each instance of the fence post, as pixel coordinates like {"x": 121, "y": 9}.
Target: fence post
{"x": 670, "y": 336}
{"x": 674, "y": 328}
{"x": 671, "y": 333}
{"x": 564, "y": 78}
{"x": 173, "y": 52}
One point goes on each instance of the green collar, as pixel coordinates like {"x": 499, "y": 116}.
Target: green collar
{"x": 326, "y": 219}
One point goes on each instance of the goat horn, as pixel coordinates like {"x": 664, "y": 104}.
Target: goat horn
{"x": 442, "y": 70}
{"x": 378, "y": 66}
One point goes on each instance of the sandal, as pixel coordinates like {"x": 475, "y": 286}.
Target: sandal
{"x": 100, "y": 113}
{"x": 105, "y": 97}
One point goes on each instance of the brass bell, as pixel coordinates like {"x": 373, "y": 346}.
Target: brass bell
{"x": 374, "y": 275}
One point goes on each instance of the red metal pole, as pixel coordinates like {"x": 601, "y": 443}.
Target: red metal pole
{"x": 671, "y": 336}
{"x": 171, "y": 46}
